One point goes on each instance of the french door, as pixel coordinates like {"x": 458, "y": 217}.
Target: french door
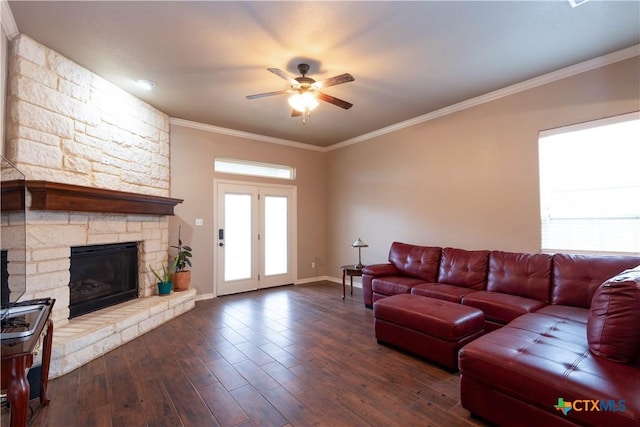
{"x": 255, "y": 236}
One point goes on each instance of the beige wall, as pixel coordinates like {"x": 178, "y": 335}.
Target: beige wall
{"x": 192, "y": 155}
{"x": 469, "y": 179}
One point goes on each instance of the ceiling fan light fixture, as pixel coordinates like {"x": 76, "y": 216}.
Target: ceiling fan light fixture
{"x": 303, "y": 102}
{"x": 305, "y": 91}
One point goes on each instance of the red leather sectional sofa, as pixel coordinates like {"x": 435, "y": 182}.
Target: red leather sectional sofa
{"x": 551, "y": 356}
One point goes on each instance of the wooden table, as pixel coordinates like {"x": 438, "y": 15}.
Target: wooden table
{"x": 350, "y": 270}
{"x": 17, "y": 358}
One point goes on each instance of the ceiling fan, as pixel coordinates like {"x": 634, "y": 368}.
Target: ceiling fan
{"x": 305, "y": 91}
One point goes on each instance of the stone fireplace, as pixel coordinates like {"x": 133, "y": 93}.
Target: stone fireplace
{"x": 51, "y": 235}
{"x": 96, "y": 162}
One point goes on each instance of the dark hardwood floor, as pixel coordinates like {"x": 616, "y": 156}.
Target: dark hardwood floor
{"x": 289, "y": 356}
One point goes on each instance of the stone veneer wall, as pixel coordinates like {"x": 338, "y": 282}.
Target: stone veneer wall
{"x": 66, "y": 124}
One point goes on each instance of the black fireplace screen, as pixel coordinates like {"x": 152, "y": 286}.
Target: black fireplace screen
{"x": 101, "y": 276}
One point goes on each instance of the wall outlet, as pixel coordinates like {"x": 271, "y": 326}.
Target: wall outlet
{"x": 313, "y": 264}
{"x": 199, "y": 221}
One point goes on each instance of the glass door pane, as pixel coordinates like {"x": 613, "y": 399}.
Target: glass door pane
{"x": 237, "y": 264}
{"x": 238, "y": 232}
{"x": 276, "y": 251}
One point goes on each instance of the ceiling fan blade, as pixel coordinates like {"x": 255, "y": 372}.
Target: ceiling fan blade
{"x": 295, "y": 113}
{"x": 336, "y": 80}
{"x": 335, "y": 101}
{"x": 262, "y": 95}
{"x": 284, "y": 76}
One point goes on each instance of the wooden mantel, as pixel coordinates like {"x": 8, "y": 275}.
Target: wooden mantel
{"x": 12, "y": 195}
{"x": 52, "y": 196}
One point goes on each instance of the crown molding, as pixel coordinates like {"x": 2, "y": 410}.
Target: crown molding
{"x": 553, "y": 76}
{"x": 8, "y": 22}
{"x": 242, "y": 134}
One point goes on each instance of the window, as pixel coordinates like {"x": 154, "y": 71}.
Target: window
{"x": 245, "y": 167}
{"x": 590, "y": 186}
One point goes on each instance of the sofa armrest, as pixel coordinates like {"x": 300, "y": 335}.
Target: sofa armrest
{"x": 379, "y": 270}
{"x": 369, "y": 273}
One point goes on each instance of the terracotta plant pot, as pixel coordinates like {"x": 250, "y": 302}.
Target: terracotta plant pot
{"x": 164, "y": 288}
{"x": 181, "y": 280}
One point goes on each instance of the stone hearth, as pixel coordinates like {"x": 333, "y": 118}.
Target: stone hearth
{"x": 90, "y": 336}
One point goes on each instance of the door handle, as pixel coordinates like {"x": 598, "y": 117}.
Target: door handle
{"x": 221, "y": 244}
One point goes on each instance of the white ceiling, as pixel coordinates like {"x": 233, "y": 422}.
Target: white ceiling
{"x": 408, "y": 58}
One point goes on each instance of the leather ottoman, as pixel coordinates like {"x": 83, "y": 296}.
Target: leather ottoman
{"x": 428, "y": 327}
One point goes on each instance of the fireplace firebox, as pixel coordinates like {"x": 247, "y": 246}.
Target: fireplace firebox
{"x": 102, "y": 276}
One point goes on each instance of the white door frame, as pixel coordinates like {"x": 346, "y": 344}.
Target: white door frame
{"x": 293, "y": 224}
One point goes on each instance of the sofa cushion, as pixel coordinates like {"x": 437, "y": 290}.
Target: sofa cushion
{"x": 464, "y": 268}
{"x": 501, "y": 308}
{"x": 613, "y": 328}
{"x": 392, "y": 285}
{"x": 525, "y": 275}
{"x": 577, "y": 314}
{"x": 441, "y": 291}
{"x": 577, "y": 277}
{"x": 420, "y": 262}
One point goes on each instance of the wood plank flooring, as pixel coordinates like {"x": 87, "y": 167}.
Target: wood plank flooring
{"x": 289, "y": 356}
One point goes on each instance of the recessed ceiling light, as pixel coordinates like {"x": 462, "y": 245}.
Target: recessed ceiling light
{"x": 146, "y": 84}
{"x": 576, "y": 3}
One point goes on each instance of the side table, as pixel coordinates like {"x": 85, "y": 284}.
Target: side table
{"x": 17, "y": 358}
{"x": 350, "y": 270}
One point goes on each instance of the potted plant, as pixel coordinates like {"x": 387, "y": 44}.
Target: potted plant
{"x": 181, "y": 277}
{"x": 164, "y": 280}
